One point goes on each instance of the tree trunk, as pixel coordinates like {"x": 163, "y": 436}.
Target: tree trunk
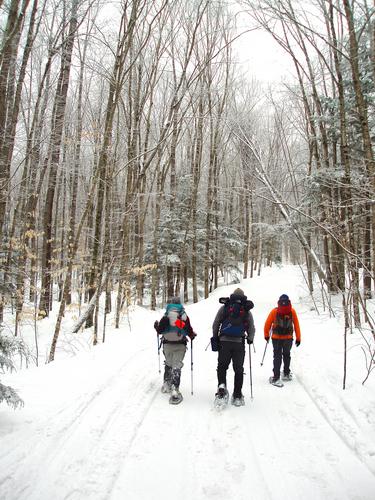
{"x": 57, "y": 127}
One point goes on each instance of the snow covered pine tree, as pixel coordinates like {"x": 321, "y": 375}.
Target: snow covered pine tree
{"x": 9, "y": 346}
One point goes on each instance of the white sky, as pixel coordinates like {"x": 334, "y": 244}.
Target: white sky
{"x": 262, "y": 57}
{"x": 259, "y": 54}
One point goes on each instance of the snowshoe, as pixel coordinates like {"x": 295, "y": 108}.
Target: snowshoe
{"x": 166, "y": 388}
{"x": 287, "y": 377}
{"x": 221, "y": 398}
{"x": 276, "y": 382}
{"x": 175, "y": 397}
{"x": 238, "y": 401}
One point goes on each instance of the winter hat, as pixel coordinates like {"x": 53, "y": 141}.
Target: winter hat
{"x": 283, "y": 299}
{"x": 175, "y": 300}
{"x": 238, "y": 291}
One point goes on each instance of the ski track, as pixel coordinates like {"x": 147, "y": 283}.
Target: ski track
{"x": 315, "y": 397}
{"x": 98, "y": 424}
{"x": 121, "y": 457}
{"x": 122, "y": 440}
{"x": 68, "y": 416}
{"x": 196, "y": 440}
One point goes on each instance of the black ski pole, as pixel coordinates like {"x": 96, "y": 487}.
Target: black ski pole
{"x": 251, "y": 375}
{"x": 156, "y": 324}
{"x": 191, "y": 364}
{"x": 159, "y": 345}
{"x": 265, "y": 349}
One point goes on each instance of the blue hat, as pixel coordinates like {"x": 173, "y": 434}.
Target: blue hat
{"x": 283, "y": 300}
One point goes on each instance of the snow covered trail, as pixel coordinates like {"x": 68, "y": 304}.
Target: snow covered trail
{"x": 276, "y": 447}
{"x": 97, "y": 427}
{"x": 81, "y": 444}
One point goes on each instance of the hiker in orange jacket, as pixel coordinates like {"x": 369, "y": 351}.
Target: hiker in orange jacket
{"x": 280, "y": 324}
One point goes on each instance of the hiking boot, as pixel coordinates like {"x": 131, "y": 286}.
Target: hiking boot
{"x": 238, "y": 400}
{"x": 174, "y": 390}
{"x": 287, "y": 376}
{"x": 276, "y": 381}
{"x": 166, "y": 387}
{"x": 221, "y": 397}
{"x": 176, "y": 396}
{"x": 221, "y": 391}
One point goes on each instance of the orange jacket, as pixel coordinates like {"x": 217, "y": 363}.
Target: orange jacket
{"x": 270, "y": 321}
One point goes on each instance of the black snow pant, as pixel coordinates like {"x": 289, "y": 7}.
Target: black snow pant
{"x": 281, "y": 352}
{"x": 235, "y": 352}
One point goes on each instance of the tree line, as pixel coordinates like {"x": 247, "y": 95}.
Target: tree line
{"x": 138, "y": 162}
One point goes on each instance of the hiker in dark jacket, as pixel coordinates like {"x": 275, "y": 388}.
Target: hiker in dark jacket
{"x": 174, "y": 327}
{"x": 280, "y": 324}
{"x": 230, "y": 339}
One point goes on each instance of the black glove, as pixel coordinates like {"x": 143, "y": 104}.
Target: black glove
{"x": 298, "y": 342}
{"x": 162, "y": 325}
{"x": 267, "y": 339}
{"x": 249, "y": 340}
{"x": 215, "y": 343}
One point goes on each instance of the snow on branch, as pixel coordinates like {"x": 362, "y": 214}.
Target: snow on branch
{"x": 249, "y": 142}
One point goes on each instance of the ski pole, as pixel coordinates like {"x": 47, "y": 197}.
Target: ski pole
{"x": 156, "y": 324}
{"x": 159, "y": 345}
{"x": 208, "y": 345}
{"x": 191, "y": 364}
{"x": 251, "y": 375}
{"x": 265, "y": 349}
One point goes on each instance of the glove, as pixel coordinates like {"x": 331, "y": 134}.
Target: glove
{"x": 192, "y": 335}
{"x": 156, "y": 324}
{"x": 267, "y": 339}
{"x": 215, "y": 343}
{"x": 298, "y": 342}
{"x": 249, "y": 340}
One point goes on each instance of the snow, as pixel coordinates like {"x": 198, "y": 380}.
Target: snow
{"x": 96, "y": 426}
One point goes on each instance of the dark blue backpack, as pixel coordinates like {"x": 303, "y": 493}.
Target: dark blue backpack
{"x": 235, "y": 316}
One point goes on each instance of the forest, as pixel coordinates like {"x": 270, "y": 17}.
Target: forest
{"x": 138, "y": 160}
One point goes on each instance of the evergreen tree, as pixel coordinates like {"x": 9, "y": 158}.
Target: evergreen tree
{"x": 9, "y": 347}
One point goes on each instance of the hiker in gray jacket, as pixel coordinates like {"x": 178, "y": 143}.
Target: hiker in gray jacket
{"x": 233, "y": 323}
